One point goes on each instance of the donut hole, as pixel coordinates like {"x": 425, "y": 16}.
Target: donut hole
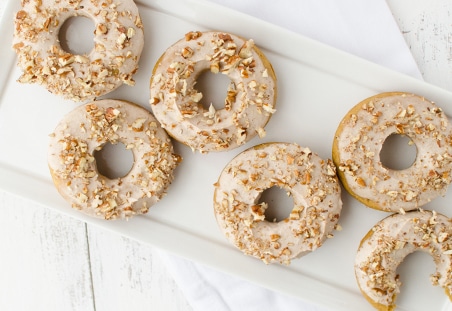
{"x": 76, "y": 35}
{"x": 114, "y": 160}
{"x": 415, "y": 274}
{"x": 398, "y": 152}
{"x": 279, "y": 204}
{"x": 214, "y": 89}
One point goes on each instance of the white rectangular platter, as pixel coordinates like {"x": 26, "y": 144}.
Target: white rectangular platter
{"x": 317, "y": 85}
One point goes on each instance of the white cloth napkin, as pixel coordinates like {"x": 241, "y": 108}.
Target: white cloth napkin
{"x": 363, "y": 28}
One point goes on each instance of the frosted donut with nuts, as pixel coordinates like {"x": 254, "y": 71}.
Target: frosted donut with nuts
{"x": 308, "y": 179}
{"x": 86, "y": 130}
{"x": 118, "y": 43}
{"x": 387, "y": 244}
{"x": 250, "y": 99}
{"x": 359, "y": 140}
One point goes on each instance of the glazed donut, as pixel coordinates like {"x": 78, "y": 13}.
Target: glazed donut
{"x": 387, "y": 244}
{"x": 86, "y": 130}
{"x": 310, "y": 180}
{"x": 118, "y": 42}
{"x": 359, "y": 140}
{"x": 250, "y": 99}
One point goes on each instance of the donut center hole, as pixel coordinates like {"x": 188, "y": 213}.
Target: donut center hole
{"x": 76, "y": 35}
{"x": 414, "y": 273}
{"x": 398, "y": 152}
{"x": 114, "y": 160}
{"x": 279, "y": 204}
{"x": 214, "y": 89}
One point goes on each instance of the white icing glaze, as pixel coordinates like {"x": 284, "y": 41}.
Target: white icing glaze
{"x": 390, "y": 241}
{"x": 73, "y": 166}
{"x": 248, "y": 106}
{"x": 310, "y": 180}
{"x": 359, "y": 140}
{"x": 118, "y": 42}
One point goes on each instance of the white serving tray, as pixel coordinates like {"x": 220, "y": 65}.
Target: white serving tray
{"x": 317, "y": 85}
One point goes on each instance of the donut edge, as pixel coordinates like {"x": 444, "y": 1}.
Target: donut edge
{"x": 232, "y": 241}
{"x": 59, "y": 182}
{"x": 336, "y": 152}
{"x": 376, "y": 305}
{"x": 265, "y": 61}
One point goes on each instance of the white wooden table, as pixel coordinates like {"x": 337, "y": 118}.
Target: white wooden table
{"x": 52, "y": 262}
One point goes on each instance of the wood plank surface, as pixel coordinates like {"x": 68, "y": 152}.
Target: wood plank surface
{"x": 128, "y": 275}
{"x": 427, "y": 29}
{"x": 52, "y": 262}
{"x": 44, "y": 260}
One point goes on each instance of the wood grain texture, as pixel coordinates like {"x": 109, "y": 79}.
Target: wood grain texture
{"x": 427, "y": 29}
{"x": 128, "y": 275}
{"x": 59, "y": 263}
{"x": 44, "y": 263}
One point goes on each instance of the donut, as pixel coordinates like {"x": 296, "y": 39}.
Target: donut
{"x": 359, "y": 139}
{"x": 118, "y": 42}
{"x": 308, "y": 179}
{"x": 86, "y": 130}
{"x": 386, "y": 245}
{"x": 250, "y": 99}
